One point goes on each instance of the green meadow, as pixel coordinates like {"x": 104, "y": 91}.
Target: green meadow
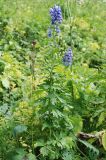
{"x": 52, "y": 80}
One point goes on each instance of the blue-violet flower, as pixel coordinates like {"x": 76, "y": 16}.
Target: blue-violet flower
{"x": 67, "y": 59}
{"x": 49, "y": 32}
{"x": 57, "y": 29}
{"x": 56, "y": 15}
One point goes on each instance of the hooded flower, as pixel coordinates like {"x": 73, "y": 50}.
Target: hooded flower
{"x": 56, "y": 15}
{"x": 67, "y": 59}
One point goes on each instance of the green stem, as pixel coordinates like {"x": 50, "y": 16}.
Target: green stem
{"x": 32, "y": 88}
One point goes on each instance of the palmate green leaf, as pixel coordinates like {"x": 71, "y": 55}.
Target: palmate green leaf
{"x": 48, "y": 151}
{"x": 53, "y": 98}
{"x": 104, "y": 140}
{"x": 57, "y": 114}
{"x": 60, "y": 99}
{"x": 67, "y": 142}
{"x": 67, "y": 156}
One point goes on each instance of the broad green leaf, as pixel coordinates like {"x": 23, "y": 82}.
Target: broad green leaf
{"x": 45, "y": 125}
{"x": 4, "y": 108}
{"x": 20, "y": 154}
{"x": 44, "y": 151}
{"x": 39, "y": 143}
{"x": 90, "y": 146}
{"x": 20, "y": 151}
{"x": 31, "y": 156}
{"x": 104, "y": 140}
{"x": 18, "y": 157}
{"x": 20, "y": 129}
{"x": 6, "y": 83}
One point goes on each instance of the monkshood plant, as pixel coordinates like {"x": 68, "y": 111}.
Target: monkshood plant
{"x": 49, "y": 132}
{"x": 55, "y": 136}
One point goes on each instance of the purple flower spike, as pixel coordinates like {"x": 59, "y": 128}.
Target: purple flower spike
{"x": 56, "y": 15}
{"x": 67, "y": 59}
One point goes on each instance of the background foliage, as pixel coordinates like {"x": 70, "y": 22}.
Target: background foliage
{"x": 44, "y": 106}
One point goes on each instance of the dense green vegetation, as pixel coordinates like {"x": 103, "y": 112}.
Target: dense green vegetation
{"x": 49, "y": 111}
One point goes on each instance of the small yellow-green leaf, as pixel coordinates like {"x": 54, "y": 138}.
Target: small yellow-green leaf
{"x": 104, "y": 140}
{"x": 77, "y": 123}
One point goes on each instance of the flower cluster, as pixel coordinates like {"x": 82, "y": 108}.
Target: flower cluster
{"x": 56, "y": 15}
{"x": 56, "y": 19}
{"x": 67, "y": 59}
